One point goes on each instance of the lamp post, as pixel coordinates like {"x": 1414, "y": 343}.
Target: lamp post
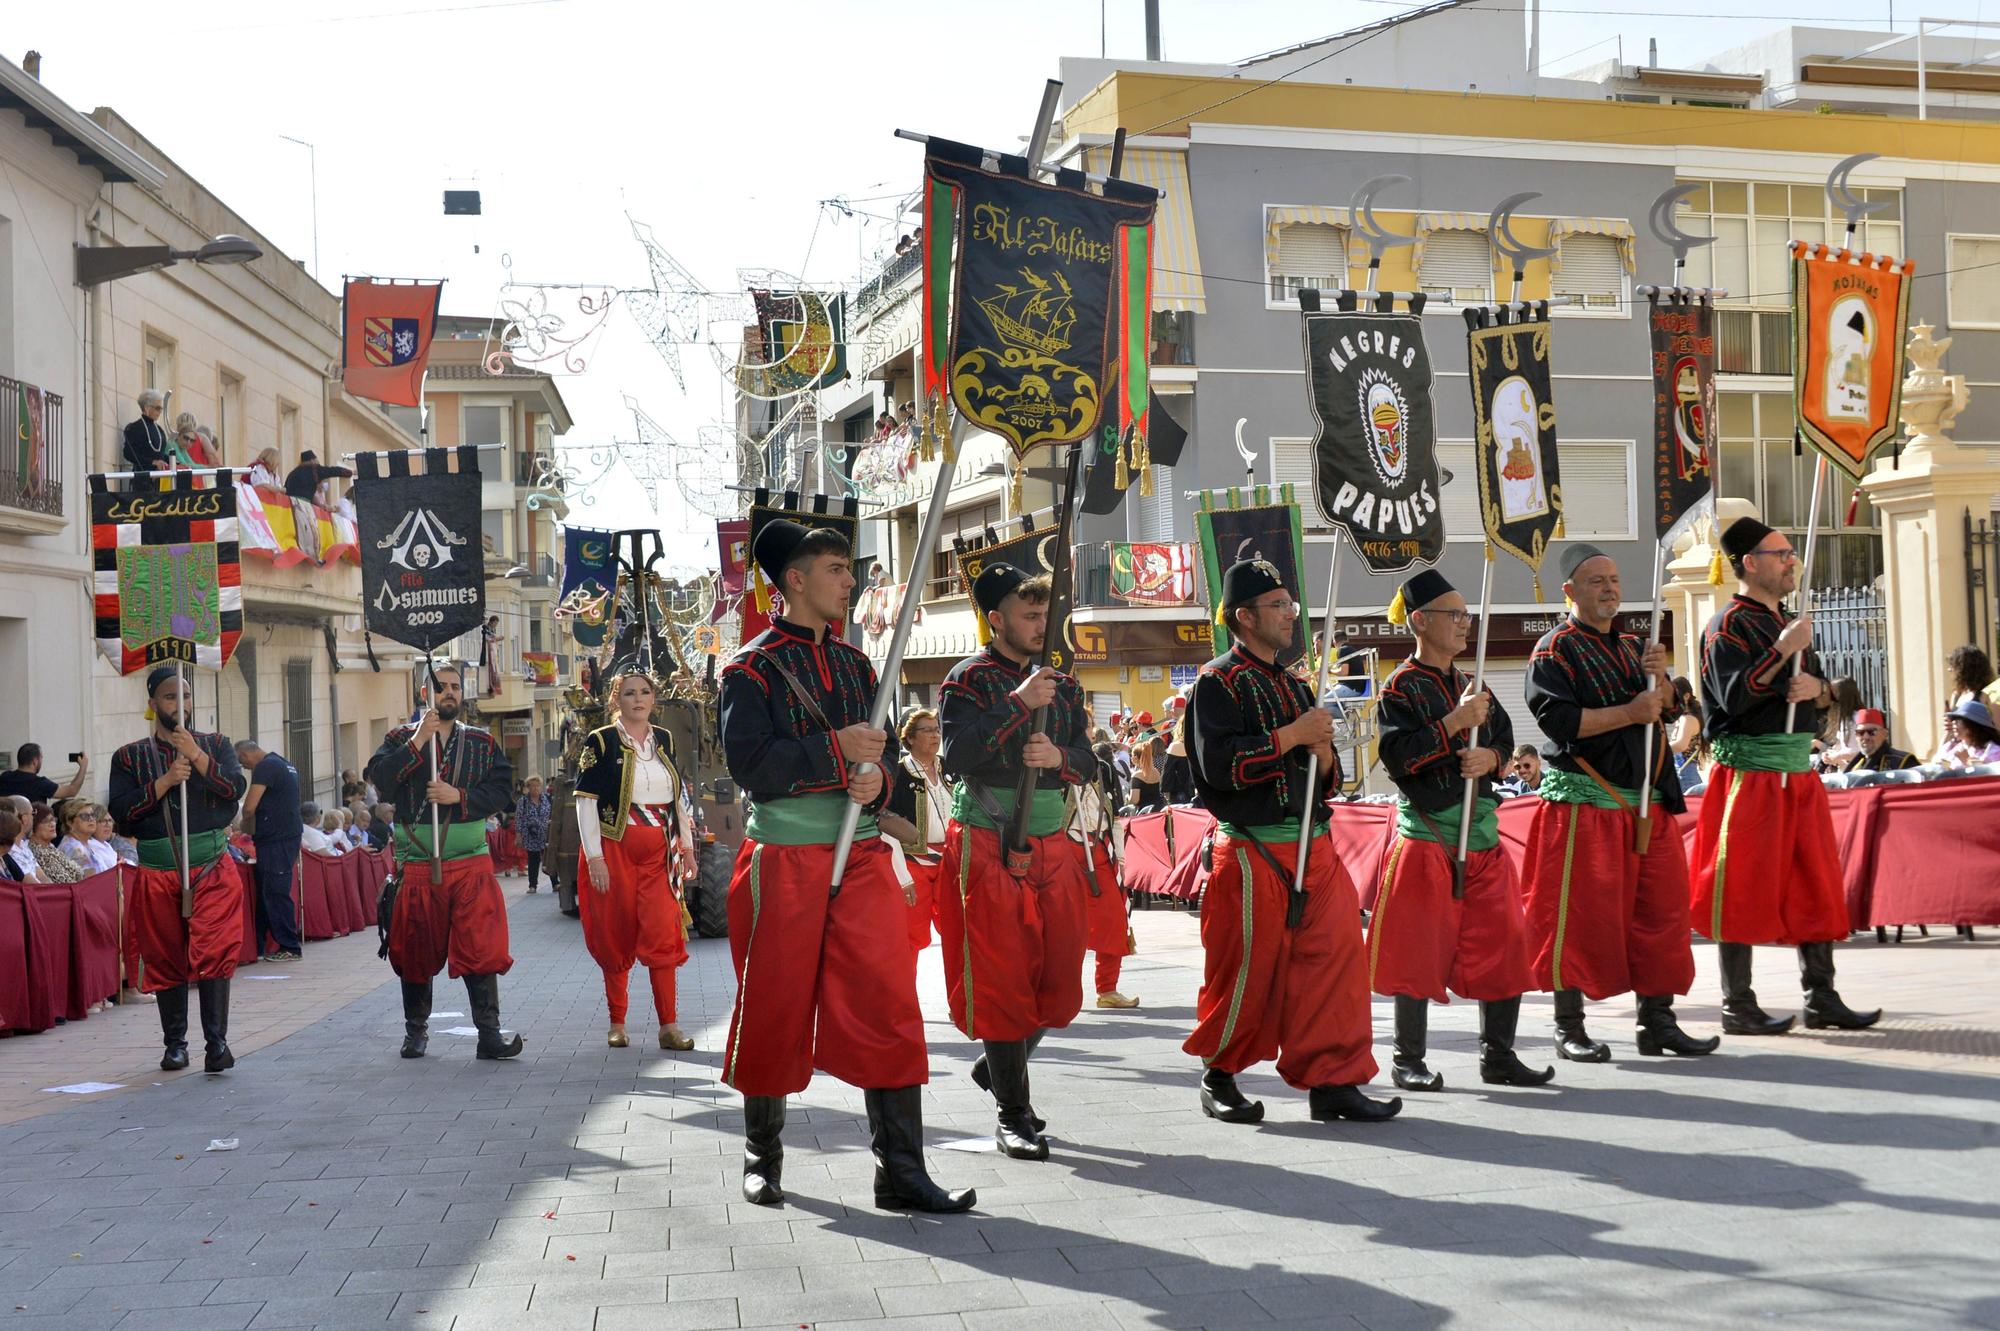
{"x": 312, "y": 167}
{"x": 98, "y": 264}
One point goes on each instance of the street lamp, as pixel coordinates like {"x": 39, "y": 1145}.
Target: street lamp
{"x": 97, "y": 264}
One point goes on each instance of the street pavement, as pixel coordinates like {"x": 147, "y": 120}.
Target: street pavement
{"x": 1818, "y": 1180}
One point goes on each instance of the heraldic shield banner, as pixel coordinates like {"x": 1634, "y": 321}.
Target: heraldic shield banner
{"x": 1041, "y": 267}
{"x": 423, "y": 565}
{"x": 1268, "y": 531}
{"x": 589, "y": 584}
{"x": 167, "y": 582}
{"x": 1375, "y": 472}
{"x": 1684, "y": 420}
{"x": 1034, "y": 553}
{"x": 1850, "y": 316}
{"x": 1153, "y": 573}
{"x": 1514, "y": 424}
{"x": 808, "y": 511}
{"x": 385, "y": 340}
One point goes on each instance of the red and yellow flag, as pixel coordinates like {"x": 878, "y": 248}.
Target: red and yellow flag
{"x": 1850, "y": 316}
{"x": 386, "y": 338}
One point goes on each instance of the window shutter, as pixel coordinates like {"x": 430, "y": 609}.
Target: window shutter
{"x": 1597, "y": 491}
{"x": 1508, "y": 685}
{"x": 1292, "y": 464}
{"x": 1591, "y": 270}
{"x": 1460, "y": 262}
{"x": 1158, "y": 516}
{"x": 1461, "y": 492}
{"x": 1974, "y": 265}
{"x": 1313, "y": 253}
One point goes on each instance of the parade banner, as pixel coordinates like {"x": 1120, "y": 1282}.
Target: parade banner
{"x": 732, "y": 548}
{"x": 423, "y": 566}
{"x": 1108, "y": 473}
{"x": 1684, "y": 420}
{"x": 800, "y": 344}
{"x": 1850, "y": 317}
{"x": 1040, "y": 269}
{"x": 1375, "y": 473}
{"x": 540, "y": 668}
{"x": 1514, "y": 431}
{"x": 167, "y": 579}
{"x": 1153, "y": 574}
{"x": 589, "y": 584}
{"x": 386, "y": 330}
{"x": 1267, "y": 530}
{"x": 1034, "y": 553}
{"x": 809, "y": 511}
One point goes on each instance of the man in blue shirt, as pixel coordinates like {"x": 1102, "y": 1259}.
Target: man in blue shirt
{"x": 271, "y": 816}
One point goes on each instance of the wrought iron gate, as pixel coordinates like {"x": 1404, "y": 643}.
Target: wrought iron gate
{"x": 1982, "y": 563}
{"x": 1851, "y": 634}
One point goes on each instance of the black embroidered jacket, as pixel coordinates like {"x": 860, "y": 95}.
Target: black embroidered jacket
{"x": 1420, "y": 757}
{"x": 1575, "y": 668}
{"x": 1237, "y": 706}
{"x": 773, "y": 744}
{"x": 985, "y": 726}
{"x": 1735, "y": 649}
{"x": 469, "y": 759}
{"x": 143, "y": 815}
{"x": 1884, "y": 759}
{"x": 605, "y": 770}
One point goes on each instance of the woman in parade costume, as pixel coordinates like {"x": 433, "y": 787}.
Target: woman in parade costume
{"x": 923, "y": 797}
{"x": 629, "y": 807}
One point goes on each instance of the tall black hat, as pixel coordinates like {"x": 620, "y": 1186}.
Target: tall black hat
{"x": 1416, "y": 593}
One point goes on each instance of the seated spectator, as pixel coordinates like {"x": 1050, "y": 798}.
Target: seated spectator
{"x": 1835, "y": 744}
{"x": 17, "y": 850}
{"x": 1968, "y": 672}
{"x": 313, "y": 835}
{"x": 1524, "y": 772}
{"x": 1176, "y": 772}
{"x": 382, "y": 827}
{"x": 304, "y": 480}
{"x": 264, "y": 471}
{"x": 10, "y": 840}
{"x": 1971, "y": 737}
{"x": 27, "y": 781}
{"x": 359, "y": 831}
{"x": 51, "y": 863}
{"x": 106, "y": 830}
{"x": 1871, "y": 733}
{"x": 78, "y": 821}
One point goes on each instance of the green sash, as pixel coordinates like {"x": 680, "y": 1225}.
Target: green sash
{"x": 461, "y": 840}
{"x": 1048, "y": 810}
{"x": 804, "y": 820}
{"x": 1280, "y": 834}
{"x": 1560, "y": 787}
{"x": 203, "y": 847}
{"x": 1790, "y": 752}
{"x": 1485, "y": 823}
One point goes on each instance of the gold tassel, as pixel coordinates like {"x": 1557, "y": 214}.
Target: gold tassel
{"x": 1558, "y": 533}
{"x": 982, "y": 630}
{"x": 1120, "y": 478}
{"x": 760, "y": 588}
{"x": 1142, "y": 461}
{"x": 1014, "y": 486}
{"x": 1131, "y": 942}
{"x": 1398, "y": 612}
{"x": 1538, "y": 591}
{"x": 1715, "y": 569}
{"x": 687, "y": 920}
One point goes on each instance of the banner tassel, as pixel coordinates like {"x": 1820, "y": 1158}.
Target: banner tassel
{"x": 1142, "y": 462}
{"x": 1120, "y": 476}
{"x": 1014, "y": 487}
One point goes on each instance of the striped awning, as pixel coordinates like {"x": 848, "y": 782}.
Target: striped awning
{"x": 1617, "y": 228}
{"x": 1278, "y": 216}
{"x": 1429, "y": 222}
{"x": 1177, "y": 281}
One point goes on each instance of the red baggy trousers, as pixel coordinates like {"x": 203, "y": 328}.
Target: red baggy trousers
{"x": 1423, "y": 942}
{"x": 1299, "y": 995}
{"x": 923, "y": 880}
{"x": 1766, "y": 869}
{"x": 821, "y": 983}
{"x": 1109, "y": 928}
{"x": 1601, "y": 918}
{"x": 1013, "y": 947}
{"x": 461, "y": 920}
{"x": 638, "y": 918}
{"x": 178, "y": 951}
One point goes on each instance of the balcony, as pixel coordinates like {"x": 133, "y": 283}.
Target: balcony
{"x": 880, "y": 289}
{"x": 1172, "y": 345}
{"x": 31, "y": 467}
{"x": 1091, "y": 572}
{"x": 300, "y": 561}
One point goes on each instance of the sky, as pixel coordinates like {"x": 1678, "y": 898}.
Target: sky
{"x": 722, "y": 125}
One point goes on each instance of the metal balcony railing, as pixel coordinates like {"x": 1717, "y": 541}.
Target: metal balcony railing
{"x": 31, "y": 461}
{"x": 875, "y": 290}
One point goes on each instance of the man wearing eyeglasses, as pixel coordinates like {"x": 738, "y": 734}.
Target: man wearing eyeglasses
{"x": 1871, "y": 731}
{"x": 1607, "y": 893}
{"x": 1765, "y": 866}
{"x": 1436, "y": 927}
{"x": 1284, "y": 976}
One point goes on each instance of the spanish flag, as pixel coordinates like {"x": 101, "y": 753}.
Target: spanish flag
{"x": 386, "y": 338}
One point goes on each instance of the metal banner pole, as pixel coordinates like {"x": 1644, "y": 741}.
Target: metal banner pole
{"x": 1472, "y": 735}
{"x": 1805, "y": 593}
{"x": 1312, "y": 760}
{"x": 1652, "y": 640}
{"x": 180, "y": 723}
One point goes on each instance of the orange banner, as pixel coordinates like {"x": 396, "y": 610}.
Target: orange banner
{"x": 1850, "y": 314}
{"x": 386, "y": 338}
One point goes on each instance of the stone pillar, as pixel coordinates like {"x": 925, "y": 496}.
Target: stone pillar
{"x": 1922, "y": 502}
{"x": 1689, "y": 593}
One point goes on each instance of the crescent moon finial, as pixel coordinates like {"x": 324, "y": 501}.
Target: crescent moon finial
{"x": 1841, "y": 195}
{"x": 1361, "y": 216}
{"x": 1249, "y": 458}
{"x": 1504, "y": 242}
{"x": 1660, "y": 221}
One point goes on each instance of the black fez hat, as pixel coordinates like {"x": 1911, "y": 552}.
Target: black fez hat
{"x": 157, "y": 676}
{"x": 1577, "y": 555}
{"x": 1418, "y": 592}
{"x": 1248, "y": 579}
{"x": 774, "y": 546}
{"x": 995, "y": 583}
{"x": 1743, "y": 536}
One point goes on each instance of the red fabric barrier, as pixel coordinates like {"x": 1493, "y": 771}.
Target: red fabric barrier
{"x": 48, "y": 911}
{"x": 505, "y": 848}
{"x": 350, "y": 892}
{"x": 315, "y": 921}
{"x": 248, "y": 873}
{"x": 93, "y": 940}
{"x": 15, "y": 994}
{"x": 339, "y": 895}
{"x": 1163, "y": 850}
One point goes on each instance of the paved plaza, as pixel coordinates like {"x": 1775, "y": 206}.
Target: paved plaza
{"x": 1816, "y": 1180}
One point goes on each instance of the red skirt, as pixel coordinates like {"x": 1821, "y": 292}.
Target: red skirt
{"x": 1422, "y": 941}
{"x": 1766, "y": 869}
{"x": 639, "y": 917}
{"x": 460, "y": 921}
{"x": 1601, "y": 918}
{"x": 1013, "y": 947}
{"x": 178, "y": 951}
{"x": 1109, "y": 927}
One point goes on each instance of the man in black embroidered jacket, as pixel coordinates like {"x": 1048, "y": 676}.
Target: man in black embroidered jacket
{"x": 826, "y": 982}
{"x": 449, "y": 908}
{"x": 1605, "y": 892}
{"x": 1284, "y": 977}
{"x": 1012, "y": 933}
{"x": 1766, "y": 869}
{"x": 1427, "y": 933}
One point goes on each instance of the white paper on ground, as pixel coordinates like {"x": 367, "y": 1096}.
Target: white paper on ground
{"x": 440, "y": 1016}
{"x": 459, "y": 1030}
{"x": 244, "y": 976}
{"x": 222, "y": 1144}
{"x": 973, "y": 1145}
{"x": 84, "y": 1088}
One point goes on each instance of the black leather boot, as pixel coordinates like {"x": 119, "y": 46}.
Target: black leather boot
{"x": 763, "y": 1152}
{"x": 896, "y": 1132}
{"x": 214, "y": 1025}
{"x": 1409, "y": 1071}
{"x": 483, "y": 996}
{"x": 1327, "y": 1103}
{"x": 1824, "y": 1009}
{"x": 1499, "y": 1065}
{"x": 416, "y": 1018}
{"x": 173, "y": 1005}
{"x": 1017, "y": 1135}
{"x": 1660, "y": 1034}
{"x": 1221, "y": 1100}
{"x": 982, "y": 1077}
{"x": 1740, "y": 1013}
{"x": 1572, "y": 1041}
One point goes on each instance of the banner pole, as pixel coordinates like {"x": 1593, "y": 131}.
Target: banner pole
{"x": 180, "y": 721}
{"x": 892, "y": 663}
{"x": 437, "y": 850}
{"x": 1472, "y": 735}
{"x": 1312, "y": 759}
{"x": 1652, "y": 640}
{"x": 1015, "y": 843}
{"x": 1805, "y": 594}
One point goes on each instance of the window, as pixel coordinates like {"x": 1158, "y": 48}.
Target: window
{"x": 1592, "y": 269}
{"x": 1753, "y": 223}
{"x": 1159, "y": 516}
{"x": 1308, "y": 254}
{"x": 1457, "y": 267}
{"x": 299, "y": 710}
{"x": 971, "y": 524}
{"x": 409, "y": 419}
{"x": 486, "y": 425}
{"x": 229, "y": 421}
{"x": 1972, "y": 281}
{"x": 288, "y": 434}
{"x": 1292, "y": 464}
{"x": 1757, "y": 463}
{"x": 1597, "y": 486}
{"x": 493, "y": 532}
{"x": 157, "y": 363}
{"x": 1103, "y": 706}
